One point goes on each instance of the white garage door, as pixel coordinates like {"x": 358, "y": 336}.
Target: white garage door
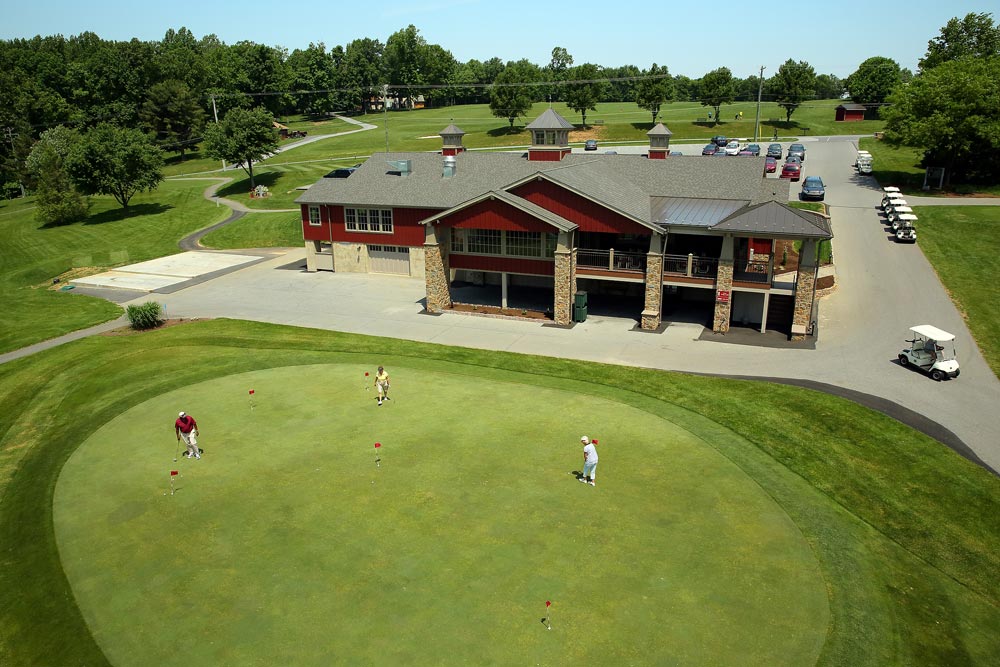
{"x": 389, "y": 259}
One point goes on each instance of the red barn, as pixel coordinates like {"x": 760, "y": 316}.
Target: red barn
{"x": 850, "y": 112}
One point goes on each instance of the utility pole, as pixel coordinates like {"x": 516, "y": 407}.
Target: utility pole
{"x": 215, "y": 113}
{"x": 760, "y": 89}
{"x": 9, "y": 135}
{"x": 385, "y": 113}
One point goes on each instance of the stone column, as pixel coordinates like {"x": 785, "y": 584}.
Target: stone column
{"x": 805, "y": 289}
{"x": 724, "y": 283}
{"x": 653, "y": 306}
{"x": 563, "y": 283}
{"x": 435, "y": 273}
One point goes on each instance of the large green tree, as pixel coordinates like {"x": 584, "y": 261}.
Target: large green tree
{"x": 653, "y": 92}
{"x": 509, "y": 97}
{"x": 120, "y": 162}
{"x": 952, "y": 111}
{"x": 58, "y": 201}
{"x": 792, "y": 84}
{"x": 873, "y": 81}
{"x": 402, "y": 62}
{"x": 243, "y": 136}
{"x": 973, "y": 35}
{"x": 361, "y": 72}
{"x": 829, "y": 86}
{"x": 173, "y": 115}
{"x": 583, "y": 89}
{"x": 716, "y": 88}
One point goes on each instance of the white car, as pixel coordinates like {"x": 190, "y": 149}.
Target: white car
{"x": 733, "y": 148}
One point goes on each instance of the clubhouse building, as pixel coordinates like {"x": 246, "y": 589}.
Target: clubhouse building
{"x": 654, "y": 232}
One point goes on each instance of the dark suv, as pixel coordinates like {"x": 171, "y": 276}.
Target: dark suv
{"x": 720, "y": 141}
{"x": 774, "y": 150}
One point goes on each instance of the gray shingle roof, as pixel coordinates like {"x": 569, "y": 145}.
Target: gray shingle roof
{"x": 776, "y": 219}
{"x": 535, "y": 210}
{"x": 549, "y": 120}
{"x": 624, "y": 183}
{"x": 659, "y": 130}
{"x": 451, "y": 130}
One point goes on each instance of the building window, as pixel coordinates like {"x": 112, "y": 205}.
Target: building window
{"x": 524, "y": 244}
{"x": 314, "y": 219}
{"x": 539, "y": 137}
{"x": 550, "y": 244}
{"x": 368, "y": 220}
{"x": 457, "y": 240}
{"x": 484, "y": 241}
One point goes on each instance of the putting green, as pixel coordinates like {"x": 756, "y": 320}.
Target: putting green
{"x": 286, "y": 545}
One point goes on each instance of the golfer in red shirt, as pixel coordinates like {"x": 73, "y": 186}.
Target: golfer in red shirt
{"x": 186, "y": 427}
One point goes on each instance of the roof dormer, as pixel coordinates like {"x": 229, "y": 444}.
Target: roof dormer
{"x": 549, "y": 137}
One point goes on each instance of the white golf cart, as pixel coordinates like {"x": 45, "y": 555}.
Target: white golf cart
{"x": 891, "y": 197}
{"x": 894, "y": 211}
{"x": 903, "y": 220}
{"x": 932, "y": 351}
{"x": 890, "y": 188}
{"x": 864, "y": 165}
{"x": 907, "y": 233}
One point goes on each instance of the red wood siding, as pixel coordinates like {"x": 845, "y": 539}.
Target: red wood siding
{"x": 407, "y": 230}
{"x": 537, "y": 267}
{"x": 849, "y": 115}
{"x": 495, "y": 214}
{"x": 762, "y": 246}
{"x": 657, "y": 154}
{"x": 590, "y": 216}
{"x": 547, "y": 156}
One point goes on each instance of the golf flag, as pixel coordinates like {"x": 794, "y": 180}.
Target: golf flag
{"x": 366, "y": 373}
{"x": 173, "y": 473}
{"x": 251, "y": 392}
{"x": 548, "y": 603}
{"x": 594, "y": 441}
{"x": 377, "y": 445}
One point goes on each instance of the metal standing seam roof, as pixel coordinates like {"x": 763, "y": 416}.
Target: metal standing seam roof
{"x": 668, "y": 211}
{"x": 776, "y": 219}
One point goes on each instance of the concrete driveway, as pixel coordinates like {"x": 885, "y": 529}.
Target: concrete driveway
{"x": 883, "y": 289}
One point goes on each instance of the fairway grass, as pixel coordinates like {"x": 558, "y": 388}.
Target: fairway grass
{"x": 905, "y": 533}
{"x": 296, "y": 549}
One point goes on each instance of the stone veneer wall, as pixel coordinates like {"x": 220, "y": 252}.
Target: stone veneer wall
{"x": 805, "y": 283}
{"x": 436, "y": 279}
{"x": 724, "y": 281}
{"x": 653, "y": 305}
{"x": 564, "y": 283}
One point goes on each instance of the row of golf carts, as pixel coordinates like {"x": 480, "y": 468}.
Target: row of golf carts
{"x": 863, "y": 163}
{"x": 899, "y": 215}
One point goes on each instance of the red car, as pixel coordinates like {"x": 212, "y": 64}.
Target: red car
{"x": 791, "y": 170}
{"x": 770, "y": 165}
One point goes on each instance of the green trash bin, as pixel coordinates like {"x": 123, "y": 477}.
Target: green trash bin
{"x": 580, "y": 307}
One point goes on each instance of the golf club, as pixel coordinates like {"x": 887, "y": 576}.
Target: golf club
{"x": 177, "y": 447}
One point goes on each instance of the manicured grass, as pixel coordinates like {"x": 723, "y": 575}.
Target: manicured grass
{"x": 900, "y": 166}
{"x": 283, "y": 181}
{"x": 450, "y": 543}
{"x": 258, "y": 230}
{"x": 31, "y": 255}
{"x": 963, "y": 244}
{"x": 906, "y": 534}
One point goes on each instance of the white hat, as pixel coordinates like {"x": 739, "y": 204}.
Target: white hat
{"x": 182, "y": 414}
{"x": 585, "y": 440}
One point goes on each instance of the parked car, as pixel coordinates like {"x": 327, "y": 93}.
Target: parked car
{"x": 710, "y": 149}
{"x": 813, "y": 188}
{"x": 745, "y": 152}
{"x": 721, "y": 152}
{"x": 793, "y": 158}
{"x": 774, "y": 150}
{"x": 733, "y": 148}
{"x": 770, "y": 165}
{"x": 720, "y": 140}
{"x": 792, "y": 170}
{"x": 676, "y": 153}
{"x": 798, "y": 149}
{"x": 753, "y": 148}
{"x": 590, "y": 145}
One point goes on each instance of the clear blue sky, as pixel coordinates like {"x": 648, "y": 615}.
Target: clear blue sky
{"x": 692, "y": 38}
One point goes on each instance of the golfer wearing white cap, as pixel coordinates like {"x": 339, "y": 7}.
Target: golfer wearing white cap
{"x": 589, "y": 461}
{"x": 186, "y": 427}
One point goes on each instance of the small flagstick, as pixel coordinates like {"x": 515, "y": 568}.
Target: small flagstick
{"x": 548, "y": 614}
{"x": 173, "y": 473}
{"x": 378, "y": 459}
{"x": 251, "y": 400}
{"x": 366, "y": 381}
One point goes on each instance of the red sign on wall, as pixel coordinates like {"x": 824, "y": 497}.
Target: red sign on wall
{"x": 722, "y": 296}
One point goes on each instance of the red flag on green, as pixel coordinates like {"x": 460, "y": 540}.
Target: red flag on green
{"x": 377, "y": 445}
{"x": 251, "y": 392}
{"x": 548, "y": 603}
{"x": 173, "y": 473}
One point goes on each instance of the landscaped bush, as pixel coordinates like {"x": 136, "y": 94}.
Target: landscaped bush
{"x": 145, "y": 315}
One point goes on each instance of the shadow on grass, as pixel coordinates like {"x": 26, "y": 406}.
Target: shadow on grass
{"x": 505, "y": 131}
{"x": 179, "y": 159}
{"x": 904, "y": 179}
{"x": 116, "y": 215}
{"x": 242, "y": 186}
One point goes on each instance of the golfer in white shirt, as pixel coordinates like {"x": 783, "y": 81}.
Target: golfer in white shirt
{"x": 589, "y": 461}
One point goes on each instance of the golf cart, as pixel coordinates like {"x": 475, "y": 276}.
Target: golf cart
{"x": 890, "y": 188}
{"x": 903, "y": 220}
{"x": 864, "y": 165}
{"x": 891, "y": 197}
{"x": 895, "y": 211}
{"x": 932, "y": 351}
{"x": 906, "y": 233}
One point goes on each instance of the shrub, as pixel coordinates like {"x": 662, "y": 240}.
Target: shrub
{"x": 145, "y": 315}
